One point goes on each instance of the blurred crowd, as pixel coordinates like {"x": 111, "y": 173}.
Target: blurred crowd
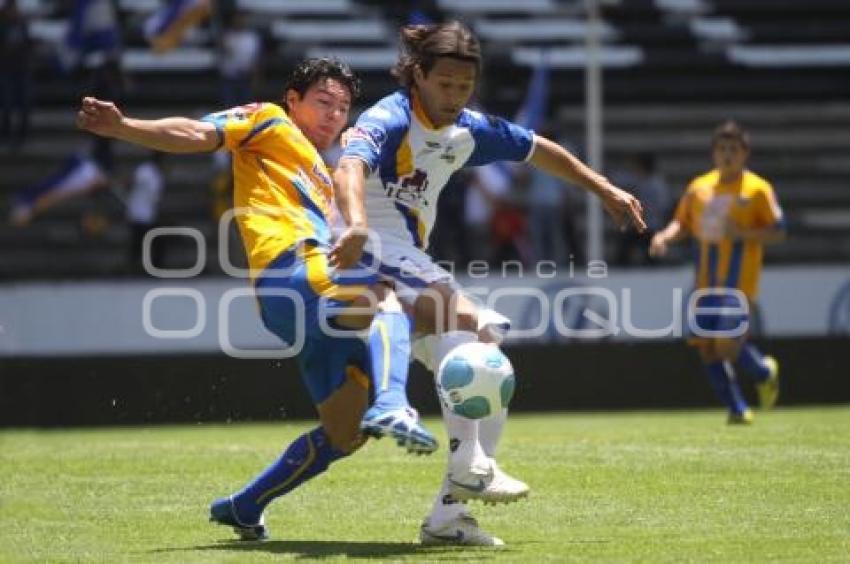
{"x": 498, "y": 214}
{"x": 494, "y": 213}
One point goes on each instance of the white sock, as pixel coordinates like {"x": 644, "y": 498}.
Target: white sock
{"x": 490, "y": 431}
{"x": 464, "y": 448}
{"x": 465, "y": 452}
{"x": 445, "y": 508}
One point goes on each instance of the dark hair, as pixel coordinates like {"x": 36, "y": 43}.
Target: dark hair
{"x": 311, "y": 71}
{"x": 422, "y": 45}
{"x": 730, "y": 130}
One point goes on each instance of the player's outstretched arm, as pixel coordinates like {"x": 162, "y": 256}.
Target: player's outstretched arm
{"x": 673, "y": 232}
{"x": 620, "y": 205}
{"x": 350, "y": 188}
{"x": 171, "y": 135}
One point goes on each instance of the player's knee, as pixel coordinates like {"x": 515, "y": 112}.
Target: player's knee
{"x": 429, "y": 312}
{"x": 708, "y": 353}
{"x": 345, "y": 439}
{"x": 727, "y": 349}
{"x": 388, "y": 302}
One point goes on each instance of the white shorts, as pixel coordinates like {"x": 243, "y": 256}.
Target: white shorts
{"x": 411, "y": 270}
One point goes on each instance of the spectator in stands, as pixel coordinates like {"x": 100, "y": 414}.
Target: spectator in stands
{"x": 642, "y": 179}
{"x": 221, "y": 192}
{"x": 410, "y": 11}
{"x": 79, "y": 174}
{"x": 15, "y": 50}
{"x": 550, "y": 222}
{"x": 509, "y": 229}
{"x": 731, "y": 213}
{"x": 240, "y": 51}
{"x": 143, "y": 210}
{"x": 422, "y": 12}
{"x": 92, "y": 52}
{"x": 167, "y": 26}
{"x": 449, "y": 240}
{"x": 488, "y": 186}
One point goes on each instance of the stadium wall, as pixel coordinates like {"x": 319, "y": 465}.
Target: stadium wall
{"x": 214, "y": 388}
{"x": 546, "y": 305}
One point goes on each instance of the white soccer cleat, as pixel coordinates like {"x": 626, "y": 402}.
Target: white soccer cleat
{"x": 461, "y": 531}
{"x": 493, "y": 487}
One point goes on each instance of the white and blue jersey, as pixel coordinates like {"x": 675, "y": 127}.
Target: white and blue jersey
{"x": 410, "y": 162}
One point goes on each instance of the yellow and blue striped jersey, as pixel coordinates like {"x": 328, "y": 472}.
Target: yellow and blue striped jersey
{"x": 703, "y": 212}
{"x": 283, "y": 192}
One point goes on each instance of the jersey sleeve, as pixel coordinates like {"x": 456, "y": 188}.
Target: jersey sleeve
{"x": 497, "y": 139}
{"x": 243, "y": 127}
{"x": 369, "y": 136}
{"x": 767, "y": 209}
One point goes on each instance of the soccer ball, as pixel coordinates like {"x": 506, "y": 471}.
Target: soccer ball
{"x": 476, "y": 380}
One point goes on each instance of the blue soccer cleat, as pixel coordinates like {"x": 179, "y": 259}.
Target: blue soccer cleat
{"x": 223, "y": 512}
{"x": 403, "y": 425}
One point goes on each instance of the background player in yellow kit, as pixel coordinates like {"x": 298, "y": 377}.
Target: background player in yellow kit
{"x": 283, "y": 198}
{"x": 731, "y": 213}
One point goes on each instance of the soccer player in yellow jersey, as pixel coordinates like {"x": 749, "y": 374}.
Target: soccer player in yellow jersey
{"x": 283, "y": 197}
{"x": 731, "y": 213}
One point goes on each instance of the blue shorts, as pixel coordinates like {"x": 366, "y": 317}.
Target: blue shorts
{"x": 716, "y": 322}
{"x": 295, "y": 292}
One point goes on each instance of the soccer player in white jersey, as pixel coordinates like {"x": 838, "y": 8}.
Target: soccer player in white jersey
{"x": 397, "y": 159}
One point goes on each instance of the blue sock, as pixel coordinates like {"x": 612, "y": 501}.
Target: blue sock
{"x": 389, "y": 354}
{"x": 723, "y": 380}
{"x": 752, "y": 361}
{"x": 307, "y": 456}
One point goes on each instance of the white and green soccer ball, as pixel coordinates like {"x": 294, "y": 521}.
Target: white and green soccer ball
{"x": 476, "y": 380}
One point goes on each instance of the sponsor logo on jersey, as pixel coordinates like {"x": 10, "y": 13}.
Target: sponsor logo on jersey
{"x": 430, "y": 147}
{"x": 375, "y": 136}
{"x": 320, "y": 174}
{"x": 409, "y": 190}
{"x": 448, "y": 154}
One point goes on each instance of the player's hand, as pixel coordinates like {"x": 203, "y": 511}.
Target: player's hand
{"x": 99, "y": 117}
{"x": 345, "y": 137}
{"x": 623, "y": 209}
{"x": 658, "y": 246}
{"x": 348, "y": 248}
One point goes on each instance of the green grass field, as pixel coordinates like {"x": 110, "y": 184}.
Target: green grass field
{"x": 646, "y": 486}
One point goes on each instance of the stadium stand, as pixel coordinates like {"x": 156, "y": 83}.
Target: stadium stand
{"x": 673, "y": 70}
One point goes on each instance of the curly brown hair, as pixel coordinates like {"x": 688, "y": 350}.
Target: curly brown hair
{"x": 422, "y": 45}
